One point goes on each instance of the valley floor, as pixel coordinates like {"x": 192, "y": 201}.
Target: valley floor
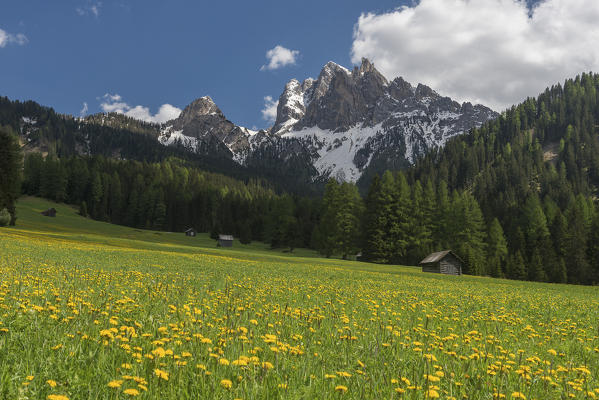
{"x": 90, "y": 310}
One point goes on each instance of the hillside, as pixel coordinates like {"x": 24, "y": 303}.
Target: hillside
{"x": 102, "y": 311}
{"x": 535, "y": 169}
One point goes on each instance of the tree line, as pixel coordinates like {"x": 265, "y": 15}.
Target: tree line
{"x": 171, "y": 195}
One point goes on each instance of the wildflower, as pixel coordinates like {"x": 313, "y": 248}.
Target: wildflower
{"x": 518, "y": 395}
{"x": 51, "y": 383}
{"x": 223, "y": 361}
{"x": 432, "y": 394}
{"x": 341, "y": 388}
{"x": 282, "y": 386}
{"x": 131, "y": 392}
{"x": 161, "y": 374}
{"x": 267, "y": 365}
{"x": 57, "y": 397}
{"x": 227, "y": 384}
{"x": 115, "y": 383}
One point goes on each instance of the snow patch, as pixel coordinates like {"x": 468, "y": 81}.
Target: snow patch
{"x": 170, "y": 137}
{"x": 336, "y": 150}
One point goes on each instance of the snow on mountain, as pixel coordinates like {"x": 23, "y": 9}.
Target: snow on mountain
{"x": 340, "y": 123}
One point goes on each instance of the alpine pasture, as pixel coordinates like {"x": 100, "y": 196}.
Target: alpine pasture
{"x": 90, "y": 310}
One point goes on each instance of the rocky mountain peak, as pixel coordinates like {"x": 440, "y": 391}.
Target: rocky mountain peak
{"x": 342, "y": 124}
{"x": 202, "y": 106}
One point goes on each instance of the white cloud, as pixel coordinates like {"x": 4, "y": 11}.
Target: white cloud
{"x": 496, "y": 52}
{"x": 279, "y": 57}
{"x": 10, "y": 38}
{"x": 115, "y": 103}
{"x": 269, "y": 112}
{"x": 90, "y": 7}
{"x": 84, "y": 110}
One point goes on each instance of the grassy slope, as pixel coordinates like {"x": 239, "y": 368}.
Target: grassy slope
{"x": 87, "y": 268}
{"x": 70, "y": 226}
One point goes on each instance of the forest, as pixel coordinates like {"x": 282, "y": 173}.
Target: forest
{"x": 515, "y": 198}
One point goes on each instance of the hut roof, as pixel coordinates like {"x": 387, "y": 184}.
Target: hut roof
{"x": 438, "y": 256}
{"x": 190, "y": 230}
{"x": 225, "y": 237}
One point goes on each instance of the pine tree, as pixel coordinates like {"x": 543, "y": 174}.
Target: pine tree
{"x": 496, "y": 249}
{"x": 517, "y": 267}
{"x": 536, "y": 270}
{"x": 379, "y": 219}
{"x": 348, "y": 220}
{"x": 83, "y": 209}
{"x": 10, "y": 173}
{"x": 245, "y": 233}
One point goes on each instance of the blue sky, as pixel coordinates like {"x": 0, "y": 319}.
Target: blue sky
{"x": 156, "y": 52}
{"x": 146, "y": 54}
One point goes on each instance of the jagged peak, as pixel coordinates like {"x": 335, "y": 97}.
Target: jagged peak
{"x": 293, "y": 84}
{"x": 424, "y": 91}
{"x": 202, "y": 106}
{"x": 332, "y": 66}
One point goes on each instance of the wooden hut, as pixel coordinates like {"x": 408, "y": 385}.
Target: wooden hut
{"x": 442, "y": 262}
{"x": 190, "y": 232}
{"x": 225, "y": 240}
{"x": 50, "y": 212}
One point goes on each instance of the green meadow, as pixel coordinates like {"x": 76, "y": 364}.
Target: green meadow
{"x": 90, "y": 310}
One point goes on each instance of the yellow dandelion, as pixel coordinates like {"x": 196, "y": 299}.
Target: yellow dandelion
{"x": 227, "y": 384}
{"x": 131, "y": 392}
{"x": 115, "y": 383}
{"x": 518, "y": 395}
{"x": 341, "y": 388}
{"x": 161, "y": 374}
{"x": 57, "y": 397}
{"x": 267, "y": 365}
{"x": 51, "y": 383}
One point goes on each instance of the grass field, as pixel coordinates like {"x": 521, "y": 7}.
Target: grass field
{"x": 95, "y": 311}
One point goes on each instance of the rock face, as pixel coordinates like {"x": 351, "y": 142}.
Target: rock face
{"x": 338, "y": 125}
{"x": 202, "y": 127}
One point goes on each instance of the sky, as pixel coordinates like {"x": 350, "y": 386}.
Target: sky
{"x": 149, "y": 59}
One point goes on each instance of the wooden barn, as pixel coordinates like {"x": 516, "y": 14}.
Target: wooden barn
{"x": 190, "y": 232}
{"x": 225, "y": 240}
{"x": 50, "y": 212}
{"x": 442, "y": 262}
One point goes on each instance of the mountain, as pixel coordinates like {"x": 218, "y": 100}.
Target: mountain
{"x": 344, "y": 124}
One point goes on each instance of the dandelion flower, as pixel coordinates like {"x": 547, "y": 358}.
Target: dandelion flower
{"x": 51, "y": 383}
{"x": 161, "y": 374}
{"x": 57, "y": 397}
{"x": 341, "y": 388}
{"x": 115, "y": 383}
{"x": 227, "y": 384}
{"x": 131, "y": 392}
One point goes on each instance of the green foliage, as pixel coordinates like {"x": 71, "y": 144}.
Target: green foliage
{"x": 4, "y": 217}
{"x": 545, "y": 148}
{"x": 10, "y": 172}
{"x": 339, "y": 230}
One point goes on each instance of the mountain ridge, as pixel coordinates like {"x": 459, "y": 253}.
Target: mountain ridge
{"x": 343, "y": 120}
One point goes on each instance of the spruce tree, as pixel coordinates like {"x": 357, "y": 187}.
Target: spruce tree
{"x": 10, "y": 173}
{"x": 517, "y": 267}
{"x": 496, "y": 249}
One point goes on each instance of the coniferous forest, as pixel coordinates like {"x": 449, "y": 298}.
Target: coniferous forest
{"x": 515, "y": 198}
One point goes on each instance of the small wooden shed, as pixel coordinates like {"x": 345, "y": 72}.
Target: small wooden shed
{"x": 50, "y": 212}
{"x": 225, "y": 240}
{"x": 190, "y": 232}
{"x": 443, "y": 262}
